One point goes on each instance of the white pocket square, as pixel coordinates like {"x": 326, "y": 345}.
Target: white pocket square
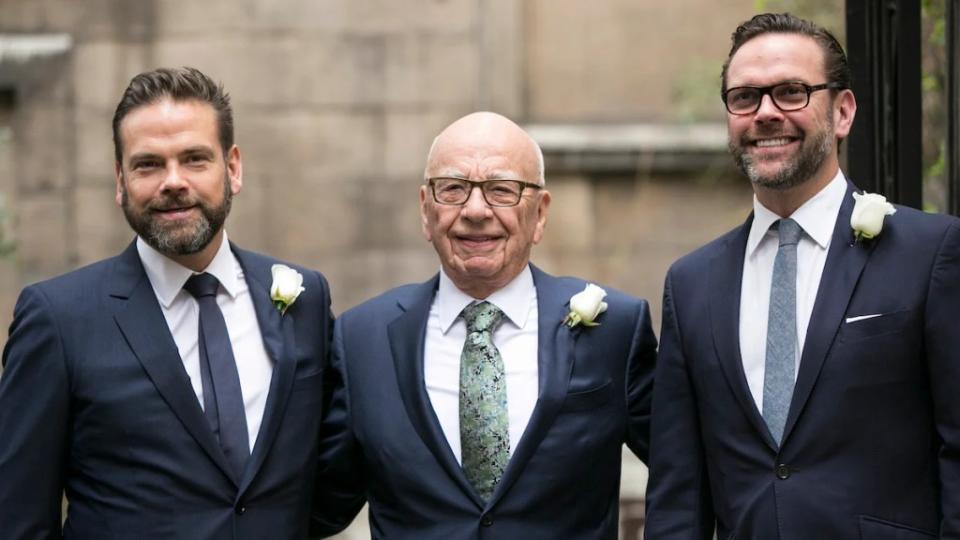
{"x": 863, "y": 317}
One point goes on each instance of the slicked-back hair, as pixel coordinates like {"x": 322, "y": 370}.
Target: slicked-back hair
{"x": 178, "y": 84}
{"x": 835, "y": 65}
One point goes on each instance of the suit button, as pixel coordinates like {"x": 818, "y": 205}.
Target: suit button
{"x": 240, "y": 509}
{"x": 783, "y": 472}
{"x": 486, "y": 520}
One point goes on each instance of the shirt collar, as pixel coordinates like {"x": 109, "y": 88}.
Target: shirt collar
{"x": 817, "y": 216}
{"x": 168, "y": 277}
{"x": 516, "y": 299}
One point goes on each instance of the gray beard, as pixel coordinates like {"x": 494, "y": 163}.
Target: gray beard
{"x": 176, "y": 241}
{"x": 795, "y": 172}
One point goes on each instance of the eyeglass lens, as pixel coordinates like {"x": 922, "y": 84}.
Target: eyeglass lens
{"x": 495, "y": 192}
{"x": 788, "y": 97}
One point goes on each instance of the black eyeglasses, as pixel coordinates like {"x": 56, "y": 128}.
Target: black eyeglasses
{"x": 456, "y": 191}
{"x": 788, "y": 96}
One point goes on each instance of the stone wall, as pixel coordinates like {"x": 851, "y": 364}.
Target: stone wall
{"x": 336, "y": 102}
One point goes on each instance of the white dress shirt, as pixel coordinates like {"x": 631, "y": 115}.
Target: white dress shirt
{"x": 182, "y": 313}
{"x": 515, "y": 338}
{"x": 817, "y": 217}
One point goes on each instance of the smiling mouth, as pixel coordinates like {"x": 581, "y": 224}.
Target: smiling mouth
{"x": 771, "y": 143}
{"x": 173, "y": 212}
{"x": 477, "y": 240}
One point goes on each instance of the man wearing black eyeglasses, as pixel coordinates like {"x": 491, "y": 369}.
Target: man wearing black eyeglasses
{"x": 810, "y": 358}
{"x": 486, "y": 402}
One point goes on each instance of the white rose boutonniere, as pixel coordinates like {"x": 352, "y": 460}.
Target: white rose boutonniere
{"x": 287, "y": 286}
{"x": 585, "y": 306}
{"x": 868, "y": 213}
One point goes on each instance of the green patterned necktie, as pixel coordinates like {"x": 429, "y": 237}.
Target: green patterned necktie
{"x": 484, "y": 428}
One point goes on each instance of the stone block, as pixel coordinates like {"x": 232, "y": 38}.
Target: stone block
{"x": 390, "y": 215}
{"x": 296, "y": 143}
{"x": 100, "y": 229}
{"x": 43, "y": 132}
{"x": 435, "y": 69}
{"x": 571, "y": 218}
{"x": 249, "y": 221}
{"x": 43, "y": 225}
{"x": 358, "y": 275}
{"x": 99, "y": 74}
{"x": 502, "y": 43}
{"x": 409, "y": 136}
{"x": 94, "y": 141}
{"x": 287, "y": 70}
{"x": 314, "y": 220}
{"x": 38, "y": 16}
{"x": 301, "y": 16}
{"x": 613, "y": 61}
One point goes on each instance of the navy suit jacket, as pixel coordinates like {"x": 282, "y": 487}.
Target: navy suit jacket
{"x": 94, "y": 401}
{"x": 871, "y": 447}
{"x": 382, "y": 439}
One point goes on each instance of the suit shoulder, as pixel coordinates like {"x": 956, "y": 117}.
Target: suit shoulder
{"x": 698, "y": 260}
{"x": 267, "y": 260}
{"x": 311, "y": 277}
{"x": 384, "y": 301}
{"x": 922, "y": 222}
{"x": 614, "y": 296}
{"x": 87, "y": 278}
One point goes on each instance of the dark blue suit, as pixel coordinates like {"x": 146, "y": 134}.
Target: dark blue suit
{"x": 95, "y": 401}
{"x": 871, "y": 447}
{"x": 383, "y": 440}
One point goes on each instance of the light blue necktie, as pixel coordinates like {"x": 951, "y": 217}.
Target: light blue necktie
{"x": 779, "y": 373}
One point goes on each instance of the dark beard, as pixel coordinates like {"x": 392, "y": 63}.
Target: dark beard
{"x": 178, "y": 239}
{"x": 795, "y": 172}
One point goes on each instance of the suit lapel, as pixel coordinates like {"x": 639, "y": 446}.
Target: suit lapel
{"x": 143, "y": 325}
{"x": 278, "y": 336}
{"x": 841, "y": 272}
{"x": 555, "y": 358}
{"x": 725, "y": 284}
{"x": 407, "y": 334}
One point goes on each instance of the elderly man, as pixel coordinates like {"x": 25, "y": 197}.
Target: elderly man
{"x": 164, "y": 390}
{"x": 810, "y": 359}
{"x": 469, "y": 408}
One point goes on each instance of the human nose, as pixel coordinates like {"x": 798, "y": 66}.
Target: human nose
{"x": 767, "y": 110}
{"x": 173, "y": 178}
{"x": 476, "y": 207}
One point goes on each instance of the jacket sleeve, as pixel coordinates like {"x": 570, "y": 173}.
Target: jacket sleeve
{"x": 678, "y": 494}
{"x": 640, "y": 366}
{"x": 340, "y": 488}
{"x": 942, "y": 341}
{"x": 34, "y": 418}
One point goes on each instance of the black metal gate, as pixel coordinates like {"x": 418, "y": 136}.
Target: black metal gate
{"x": 884, "y": 43}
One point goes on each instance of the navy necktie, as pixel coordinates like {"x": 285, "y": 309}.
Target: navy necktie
{"x": 222, "y": 397}
{"x": 780, "y": 371}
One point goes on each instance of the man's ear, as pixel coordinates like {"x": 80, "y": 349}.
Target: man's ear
{"x": 424, "y": 220}
{"x": 542, "y": 208}
{"x": 234, "y": 169}
{"x": 844, "y": 110}
{"x": 118, "y": 172}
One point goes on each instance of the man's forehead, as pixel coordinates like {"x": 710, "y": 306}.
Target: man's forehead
{"x": 777, "y": 57}
{"x": 479, "y": 162}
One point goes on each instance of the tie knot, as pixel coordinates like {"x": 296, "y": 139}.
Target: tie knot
{"x": 481, "y": 317}
{"x": 202, "y": 285}
{"x": 790, "y": 231}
